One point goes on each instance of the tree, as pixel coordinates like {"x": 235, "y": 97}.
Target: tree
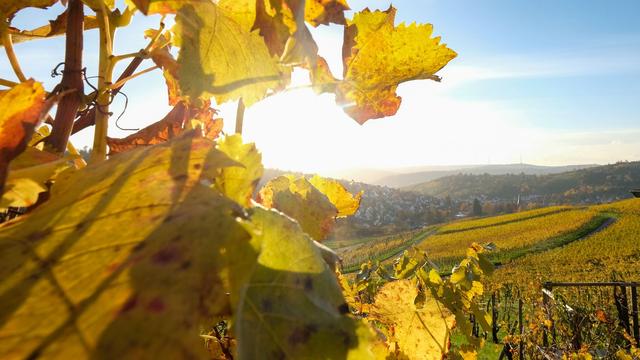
{"x": 161, "y": 235}
{"x": 477, "y": 207}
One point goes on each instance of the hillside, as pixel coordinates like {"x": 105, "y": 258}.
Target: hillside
{"x": 592, "y": 185}
{"x": 433, "y": 173}
{"x": 555, "y": 243}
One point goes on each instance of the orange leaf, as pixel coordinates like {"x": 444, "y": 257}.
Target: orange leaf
{"x": 158, "y": 132}
{"x": 23, "y": 107}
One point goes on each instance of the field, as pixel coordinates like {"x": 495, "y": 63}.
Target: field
{"x": 561, "y": 244}
{"x": 556, "y": 243}
{"x": 594, "y": 258}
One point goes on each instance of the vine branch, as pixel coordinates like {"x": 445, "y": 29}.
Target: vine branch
{"x": 240, "y": 116}
{"x": 71, "y": 79}
{"x": 11, "y": 54}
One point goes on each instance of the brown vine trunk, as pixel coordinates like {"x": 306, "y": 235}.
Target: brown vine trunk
{"x": 71, "y": 79}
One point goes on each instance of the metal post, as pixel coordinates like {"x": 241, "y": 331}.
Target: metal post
{"x": 494, "y": 319}
{"x": 634, "y": 314}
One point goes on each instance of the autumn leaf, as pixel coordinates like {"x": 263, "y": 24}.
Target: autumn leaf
{"x": 239, "y": 182}
{"x": 206, "y": 34}
{"x": 340, "y": 197}
{"x": 167, "y": 128}
{"x": 29, "y": 174}
{"x": 377, "y": 56}
{"x": 324, "y": 12}
{"x": 177, "y": 121}
{"x": 55, "y": 27}
{"x": 414, "y": 333}
{"x": 23, "y": 107}
{"x": 8, "y": 8}
{"x": 129, "y": 258}
{"x": 293, "y": 307}
{"x": 150, "y": 7}
{"x": 299, "y": 199}
{"x": 322, "y": 80}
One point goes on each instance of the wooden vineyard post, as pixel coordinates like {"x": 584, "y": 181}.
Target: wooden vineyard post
{"x": 634, "y": 313}
{"x": 546, "y": 297}
{"x": 494, "y": 319}
{"x": 521, "y": 326}
{"x": 622, "y": 305}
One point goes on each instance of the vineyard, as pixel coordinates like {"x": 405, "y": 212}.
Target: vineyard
{"x": 595, "y": 258}
{"x": 531, "y": 317}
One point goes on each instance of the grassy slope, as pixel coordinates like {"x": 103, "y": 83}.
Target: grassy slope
{"x": 562, "y": 226}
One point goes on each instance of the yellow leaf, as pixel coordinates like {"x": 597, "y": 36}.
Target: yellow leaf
{"x": 219, "y": 57}
{"x": 293, "y": 307}
{"x": 8, "y": 8}
{"x": 239, "y": 182}
{"x": 378, "y": 56}
{"x": 129, "y": 258}
{"x": 29, "y": 174}
{"x": 303, "y": 202}
{"x": 340, "y": 197}
{"x": 55, "y": 27}
{"x": 416, "y": 333}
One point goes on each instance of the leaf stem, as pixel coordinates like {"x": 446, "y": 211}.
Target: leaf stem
{"x": 7, "y": 83}
{"x": 11, "y": 54}
{"x": 240, "y": 116}
{"x": 120, "y": 83}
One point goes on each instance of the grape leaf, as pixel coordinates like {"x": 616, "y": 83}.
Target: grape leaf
{"x": 173, "y": 124}
{"x": 340, "y": 197}
{"x": 128, "y": 259}
{"x": 8, "y": 8}
{"x": 415, "y": 333}
{"x": 149, "y": 7}
{"x": 23, "y": 107}
{"x": 322, "y": 80}
{"x": 324, "y": 12}
{"x": 219, "y": 57}
{"x": 281, "y": 24}
{"x": 239, "y": 182}
{"x": 162, "y": 57}
{"x": 303, "y": 202}
{"x": 377, "y": 56}
{"x": 55, "y": 27}
{"x": 29, "y": 174}
{"x": 167, "y": 128}
{"x": 293, "y": 307}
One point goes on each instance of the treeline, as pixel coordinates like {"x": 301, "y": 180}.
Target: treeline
{"x": 593, "y": 185}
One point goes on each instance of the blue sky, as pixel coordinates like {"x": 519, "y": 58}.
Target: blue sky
{"x": 551, "y": 82}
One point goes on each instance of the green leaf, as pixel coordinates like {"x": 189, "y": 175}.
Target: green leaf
{"x": 293, "y": 307}
{"x": 219, "y": 57}
{"x": 303, "y": 202}
{"x": 239, "y": 182}
{"x": 129, "y": 258}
